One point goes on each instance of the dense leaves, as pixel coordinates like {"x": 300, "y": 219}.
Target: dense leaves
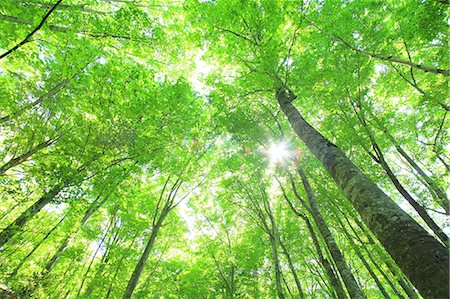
{"x": 143, "y": 151}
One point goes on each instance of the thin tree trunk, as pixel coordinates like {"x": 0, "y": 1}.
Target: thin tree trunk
{"x": 276, "y": 263}
{"x": 132, "y": 283}
{"x": 27, "y": 38}
{"x": 90, "y": 211}
{"x": 406, "y": 286}
{"x": 119, "y": 265}
{"x": 333, "y": 279}
{"x": 92, "y": 259}
{"x": 379, "y": 158}
{"x": 434, "y": 189}
{"x": 389, "y": 58}
{"x": 373, "y": 260}
{"x": 53, "y": 91}
{"x": 17, "y": 268}
{"x": 292, "y": 268}
{"x": 20, "y": 221}
{"x": 422, "y": 258}
{"x": 344, "y": 270}
{"x": 22, "y": 158}
{"x": 158, "y": 219}
{"x": 363, "y": 260}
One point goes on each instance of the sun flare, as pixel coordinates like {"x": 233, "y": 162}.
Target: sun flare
{"x": 278, "y": 152}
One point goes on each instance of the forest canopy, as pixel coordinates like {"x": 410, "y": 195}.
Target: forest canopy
{"x": 224, "y": 149}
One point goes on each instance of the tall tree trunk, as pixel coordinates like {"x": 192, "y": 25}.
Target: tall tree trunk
{"x": 17, "y": 268}
{"x": 344, "y": 270}
{"x": 292, "y": 268}
{"x": 363, "y": 260}
{"x": 158, "y": 219}
{"x": 22, "y": 158}
{"x": 422, "y": 258}
{"x": 379, "y": 158}
{"x": 333, "y": 279}
{"x": 276, "y": 264}
{"x": 89, "y": 212}
{"x": 132, "y": 283}
{"x": 20, "y": 221}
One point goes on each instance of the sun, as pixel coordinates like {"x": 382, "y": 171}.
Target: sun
{"x": 278, "y": 152}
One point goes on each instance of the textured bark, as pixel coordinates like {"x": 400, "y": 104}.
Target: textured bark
{"x": 20, "y": 221}
{"x": 333, "y": 279}
{"x": 379, "y": 158}
{"x": 422, "y": 258}
{"x": 346, "y": 274}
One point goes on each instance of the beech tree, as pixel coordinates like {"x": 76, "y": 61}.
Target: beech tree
{"x": 224, "y": 149}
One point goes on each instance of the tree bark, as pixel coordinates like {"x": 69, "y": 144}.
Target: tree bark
{"x": 20, "y": 221}
{"x": 132, "y": 283}
{"x": 22, "y": 158}
{"x": 344, "y": 270}
{"x": 27, "y": 38}
{"x": 422, "y": 258}
{"x": 292, "y": 268}
{"x": 333, "y": 279}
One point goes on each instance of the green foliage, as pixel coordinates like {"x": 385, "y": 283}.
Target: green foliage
{"x": 116, "y": 102}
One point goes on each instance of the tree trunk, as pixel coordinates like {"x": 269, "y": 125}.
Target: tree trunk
{"x": 363, "y": 260}
{"x": 333, "y": 279}
{"x": 422, "y": 258}
{"x": 22, "y": 158}
{"x": 90, "y": 211}
{"x": 17, "y": 268}
{"x": 132, "y": 283}
{"x": 344, "y": 270}
{"x": 326, "y": 264}
{"x": 20, "y": 221}
{"x": 291, "y": 267}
